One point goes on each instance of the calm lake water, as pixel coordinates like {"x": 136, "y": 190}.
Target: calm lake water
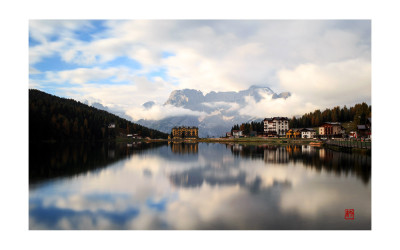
{"x": 196, "y": 186}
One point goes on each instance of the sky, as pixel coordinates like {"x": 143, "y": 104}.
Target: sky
{"x": 123, "y": 64}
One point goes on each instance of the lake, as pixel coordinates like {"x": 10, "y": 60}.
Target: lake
{"x": 196, "y": 186}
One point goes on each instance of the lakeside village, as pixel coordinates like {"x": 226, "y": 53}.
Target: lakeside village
{"x": 278, "y": 127}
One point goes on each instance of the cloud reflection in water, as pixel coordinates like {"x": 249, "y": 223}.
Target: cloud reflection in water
{"x": 217, "y": 187}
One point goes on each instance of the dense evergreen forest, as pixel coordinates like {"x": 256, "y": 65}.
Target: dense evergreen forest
{"x": 52, "y": 118}
{"x": 357, "y": 115}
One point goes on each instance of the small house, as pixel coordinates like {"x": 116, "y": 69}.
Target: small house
{"x": 237, "y": 133}
{"x": 293, "y": 133}
{"x": 362, "y": 131}
{"x": 307, "y": 133}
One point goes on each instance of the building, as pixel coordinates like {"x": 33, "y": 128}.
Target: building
{"x": 331, "y": 129}
{"x": 307, "y": 133}
{"x": 185, "y": 133}
{"x": 363, "y": 131}
{"x": 293, "y": 133}
{"x": 276, "y": 126}
{"x": 237, "y": 133}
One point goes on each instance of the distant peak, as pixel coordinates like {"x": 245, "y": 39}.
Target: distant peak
{"x": 148, "y": 105}
{"x": 193, "y": 99}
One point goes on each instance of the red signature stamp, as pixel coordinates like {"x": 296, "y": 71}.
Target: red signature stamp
{"x": 349, "y": 214}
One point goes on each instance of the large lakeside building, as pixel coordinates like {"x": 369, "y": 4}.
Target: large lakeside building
{"x": 331, "y": 129}
{"x": 185, "y": 133}
{"x": 276, "y": 126}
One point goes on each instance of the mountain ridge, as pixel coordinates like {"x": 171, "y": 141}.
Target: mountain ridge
{"x": 189, "y": 97}
{"x": 218, "y": 107}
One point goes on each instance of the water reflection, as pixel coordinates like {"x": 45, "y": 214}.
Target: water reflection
{"x": 206, "y": 186}
{"x": 184, "y": 148}
{"x": 308, "y": 156}
{"x": 47, "y": 160}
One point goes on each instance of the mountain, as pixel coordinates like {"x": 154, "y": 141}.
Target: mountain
{"x": 53, "y": 118}
{"x": 196, "y": 101}
{"x": 220, "y": 116}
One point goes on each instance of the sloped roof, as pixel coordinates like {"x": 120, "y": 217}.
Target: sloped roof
{"x": 182, "y": 127}
{"x": 280, "y": 118}
{"x": 276, "y": 118}
{"x": 332, "y": 123}
{"x": 308, "y": 129}
{"x": 361, "y": 127}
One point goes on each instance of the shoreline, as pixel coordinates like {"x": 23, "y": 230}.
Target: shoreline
{"x": 248, "y": 140}
{"x": 252, "y": 140}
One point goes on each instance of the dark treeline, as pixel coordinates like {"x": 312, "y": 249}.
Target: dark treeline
{"x": 248, "y": 127}
{"x": 357, "y": 114}
{"x": 52, "y": 118}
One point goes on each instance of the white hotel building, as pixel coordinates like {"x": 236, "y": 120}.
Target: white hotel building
{"x": 277, "y": 126}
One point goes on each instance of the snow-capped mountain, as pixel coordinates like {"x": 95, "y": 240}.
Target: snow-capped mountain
{"x": 221, "y": 109}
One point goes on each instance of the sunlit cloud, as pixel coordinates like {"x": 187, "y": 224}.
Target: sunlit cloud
{"x": 90, "y": 75}
{"x": 322, "y": 63}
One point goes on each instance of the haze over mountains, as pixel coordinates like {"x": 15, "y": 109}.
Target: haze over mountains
{"x": 219, "y": 111}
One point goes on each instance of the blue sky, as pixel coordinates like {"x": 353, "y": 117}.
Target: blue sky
{"x": 125, "y": 63}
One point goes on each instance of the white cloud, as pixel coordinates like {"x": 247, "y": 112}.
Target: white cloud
{"x": 45, "y": 30}
{"x": 330, "y": 84}
{"x": 85, "y": 75}
{"x": 39, "y": 52}
{"x": 316, "y": 87}
{"x": 322, "y": 63}
{"x": 268, "y": 107}
{"x": 33, "y": 71}
{"x": 158, "y": 111}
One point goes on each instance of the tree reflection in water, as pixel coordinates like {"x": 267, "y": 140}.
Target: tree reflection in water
{"x": 52, "y": 160}
{"x": 309, "y": 156}
{"x": 196, "y": 186}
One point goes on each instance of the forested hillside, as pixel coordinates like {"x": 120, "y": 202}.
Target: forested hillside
{"x": 60, "y": 119}
{"x": 356, "y": 115}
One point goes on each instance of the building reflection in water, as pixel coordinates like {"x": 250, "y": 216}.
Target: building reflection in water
{"x": 307, "y": 149}
{"x": 274, "y": 154}
{"x": 184, "y": 148}
{"x": 309, "y": 156}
